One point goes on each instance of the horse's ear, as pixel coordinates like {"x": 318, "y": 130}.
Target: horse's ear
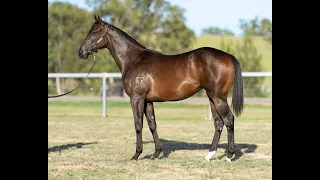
{"x": 100, "y": 20}
{"x": 95, "y": 17}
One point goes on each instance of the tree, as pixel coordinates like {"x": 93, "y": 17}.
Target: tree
{"x": 217, "y": 31}
{"x": 250, "y": 60}
{"x": 266, "y": 29}
{"x": 257, "y": 27}
{"x": 66, "y": 26}
{"x": 156, "y": 24}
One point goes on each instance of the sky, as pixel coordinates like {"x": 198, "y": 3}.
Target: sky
{"x": 201, "y": 14}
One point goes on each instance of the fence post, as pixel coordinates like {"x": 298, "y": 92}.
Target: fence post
{"x": 210, "y": 113}
{"x": 104, "y": 96}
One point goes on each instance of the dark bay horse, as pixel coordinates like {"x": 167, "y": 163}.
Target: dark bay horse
{"x": 149, "y": 76}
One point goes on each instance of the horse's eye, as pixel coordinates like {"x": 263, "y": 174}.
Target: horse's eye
{"x": 94, "y": 33}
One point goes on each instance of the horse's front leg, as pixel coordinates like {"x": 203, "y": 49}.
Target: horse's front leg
{"x": 137, "y": 103}
{"x": 149, "y": 111}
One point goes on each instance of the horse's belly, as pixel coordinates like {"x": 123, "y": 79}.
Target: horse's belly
{"x": 172, "y": 92}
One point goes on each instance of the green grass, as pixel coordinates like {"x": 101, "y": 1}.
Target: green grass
{"x": 83, "y": 145}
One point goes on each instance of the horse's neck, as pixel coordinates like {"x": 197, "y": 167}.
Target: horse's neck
{"x": 124, "y": 51}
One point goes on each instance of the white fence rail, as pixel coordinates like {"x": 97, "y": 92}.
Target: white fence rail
{"x": 105, "y": 76}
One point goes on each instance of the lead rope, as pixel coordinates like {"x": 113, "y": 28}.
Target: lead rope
{"x": 94, "y": 62}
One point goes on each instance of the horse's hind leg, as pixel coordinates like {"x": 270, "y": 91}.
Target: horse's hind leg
{"x": 218, "y": 126}
{"x": 224, "y": 111}
{"x": 226, "y": 115}
{"x": 149, "y": 111}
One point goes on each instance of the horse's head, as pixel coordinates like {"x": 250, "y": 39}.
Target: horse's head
{"x": 96, "y": 38}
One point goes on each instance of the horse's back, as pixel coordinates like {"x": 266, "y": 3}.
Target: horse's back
{"x": 199, "y": 63}
{"x": 175, "y": 77}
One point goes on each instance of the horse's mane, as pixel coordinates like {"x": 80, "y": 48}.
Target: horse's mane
{"x": 124, "y": 34}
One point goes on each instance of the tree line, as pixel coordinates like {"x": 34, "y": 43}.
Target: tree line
{"x": 156, "y": 24}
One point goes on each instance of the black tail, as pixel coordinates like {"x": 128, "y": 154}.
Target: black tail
{"x": 237, "y": 96}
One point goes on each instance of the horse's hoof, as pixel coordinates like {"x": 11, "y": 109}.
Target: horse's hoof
{"x": 153, "y": 158}
{"x": 209, "y": 155}
{"x": 156, "y": 155}
{"x": 208, "y": 160}
{"x": 228, "y": 159}
{"x": 134, "y": 158}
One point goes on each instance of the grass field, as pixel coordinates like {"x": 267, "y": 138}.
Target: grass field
{"x": 83, "y": 145}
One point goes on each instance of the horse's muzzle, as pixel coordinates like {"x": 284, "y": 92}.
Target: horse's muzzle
{"x": 83, "y": 53}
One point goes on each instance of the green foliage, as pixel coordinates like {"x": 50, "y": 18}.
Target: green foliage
{"x": 156, "y": 24}
{"x": 250, "y": 61}
{"x": 216, "y": 31}
{"x": 263, "y": 47}
{"x": 258, "y": 27}
{"x": 66, "y": 26}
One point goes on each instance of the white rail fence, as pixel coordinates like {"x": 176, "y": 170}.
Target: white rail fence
{"x": 105, "y": 77}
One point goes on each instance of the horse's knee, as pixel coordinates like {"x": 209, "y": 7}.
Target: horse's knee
{"x": 139, "y": 127}
{"x": 138, "y": 130}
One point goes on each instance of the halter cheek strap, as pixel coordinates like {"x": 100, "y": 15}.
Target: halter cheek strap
{"x": 102, "y": 37}
{"x": 99, "y": 40}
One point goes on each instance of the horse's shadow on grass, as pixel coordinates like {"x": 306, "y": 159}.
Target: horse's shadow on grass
{"x": 169, "y": 146}
{"x": 67, "y": 146}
